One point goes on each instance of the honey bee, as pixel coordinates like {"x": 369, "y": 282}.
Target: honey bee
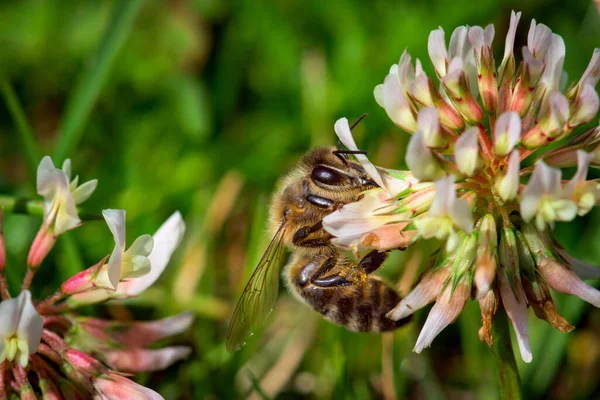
{"x": 318, "y": 274}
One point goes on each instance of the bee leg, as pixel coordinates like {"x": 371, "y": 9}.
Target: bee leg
{"x": 367, "y": 265}
{"x": 372, "y": 261}
{"x": 301, "y": 239}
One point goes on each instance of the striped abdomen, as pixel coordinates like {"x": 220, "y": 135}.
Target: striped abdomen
{"x": 359, "y": 307}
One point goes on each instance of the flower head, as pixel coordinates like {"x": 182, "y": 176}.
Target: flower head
{"x": 475, "y": 184}
{"x": 68, "y": 354}
{"x": 20, "y": 329}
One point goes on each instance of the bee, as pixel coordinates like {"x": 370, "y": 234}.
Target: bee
{"x": 318, "y": 274}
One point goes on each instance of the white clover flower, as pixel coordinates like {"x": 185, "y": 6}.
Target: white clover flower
{"x": 20, "y": 329}
{"x": 447, "y": 215}
{"x": 165, "y": 241}
{"x": 61, "y": 195}
{"x": 478, "y": 187}
{"x": 130, "y": 263}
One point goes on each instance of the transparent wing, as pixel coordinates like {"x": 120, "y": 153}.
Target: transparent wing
{"x": 258, "y": 296}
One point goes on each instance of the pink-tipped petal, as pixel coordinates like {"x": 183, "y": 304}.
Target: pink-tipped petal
{"x": 113, "y": 386}
{"x": 516, "y": 308}
{"x": 507, "y": 133}
{"x": 564, "y": 280}
{"x": 145, "y": 360}
{"x": 436, "y": 46}
{"x": 510, "y": 36}
{"x": 424, "y": 293}
{"x": 445, "y": 311}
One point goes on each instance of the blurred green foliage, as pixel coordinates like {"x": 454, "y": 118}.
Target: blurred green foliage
{"x": 205, "y": 104}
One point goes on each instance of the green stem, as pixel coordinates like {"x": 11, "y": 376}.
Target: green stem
{"x": 81, "y": 102}
{"x": 21, "y": 205}
{"x": 32, "y": 152}
{"x": 504, "y": 359}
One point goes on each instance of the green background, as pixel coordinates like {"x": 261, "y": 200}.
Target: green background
{"x": 200, "y": 106}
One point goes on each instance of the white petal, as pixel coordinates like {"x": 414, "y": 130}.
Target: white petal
{"x": 583, "y": 161}
{"x": 554, "y": 63}
{"x": 466, "y": 151}
{"x": 342, "y": 130}
{"x": 587, "y": 106}
{"x": 424, "y": 293}
{"x": 428, "y": 124}
{"x": 67, "y": 217}
{"x": 145, "y": 360}
{"x": 462, "y": 215}
{"x": 436, "y": 46}
{"x": 445, "y": 311}
{"x": 476, "y": 37}
{"x": 66, "y": 167}
{"x": 395, "y": 104}
{"x": 9, "y": 317}
{"x": 489, "y": 35}
{"x": 508, "y": 184}
{"x": 564, "y": 280}
{"x": 539, "y": 40}
{"x": 141, "y": 246}
{"x": 30, "y": 322}
{"x": 510, "y": 36}
{"x": 166, "y": 240}
{"x": 115, "y": 219}
{"x": 378, "y": 94}
{"x": 420, "y": 160}
{"x": 445, "y": 197}
{"x": 47, "y": 179}
{"x": 516, "y": 308}
{"x": 592, "y": 72}
{"x": 540, "y": 183}
{"x": 507, "y": 133}
{"x": 406, "y": 71}
{"x": 83, "y": 192}
{"x": 459, "y": 45}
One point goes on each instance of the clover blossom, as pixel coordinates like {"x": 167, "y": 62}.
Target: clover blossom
{"x": 483, "y": 180}
{"x": 47, "y": 348}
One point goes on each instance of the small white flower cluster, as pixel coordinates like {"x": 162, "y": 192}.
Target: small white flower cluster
{"x": 75, "y": 356}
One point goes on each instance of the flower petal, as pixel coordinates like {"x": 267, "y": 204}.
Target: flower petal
{"x": 30, "y": 322}
{"x": 510, "y": 36}
{"x": 424, "y": 293}
{"x": 445, "y": 311}
{"x": 115, "y": 219}
{"x": 83, "y": 192}
{"x": 564, "y": 280}
{"x": 507, "y": 133}
{"x": 516, "y": 308}
{"x": 466, "y": 151}
{"x": 342, "y": 130}
{"x": 145, "y": 360}
{"x": 166, "y": 240}
{"x": 436, "y": 46}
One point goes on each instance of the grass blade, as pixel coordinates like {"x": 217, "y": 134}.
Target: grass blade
{"x": 30, "y": 147}
{"x": 82, "y": 100}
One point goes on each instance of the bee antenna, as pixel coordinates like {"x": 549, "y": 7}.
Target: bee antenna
{"x": 343, "y": 153}
{"x": 358, "y": 120}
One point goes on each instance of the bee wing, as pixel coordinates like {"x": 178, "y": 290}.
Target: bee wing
{"x": 258, "y": 296}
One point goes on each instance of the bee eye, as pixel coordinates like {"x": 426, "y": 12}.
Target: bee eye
{"x": 327, "y": 176}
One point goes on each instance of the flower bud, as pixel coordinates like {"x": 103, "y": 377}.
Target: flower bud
{"x": 41, "y": 246}
{"x": 485, "y": 263}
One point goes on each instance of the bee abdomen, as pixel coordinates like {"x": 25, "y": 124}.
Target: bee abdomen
{"x": 361, "y": 307}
